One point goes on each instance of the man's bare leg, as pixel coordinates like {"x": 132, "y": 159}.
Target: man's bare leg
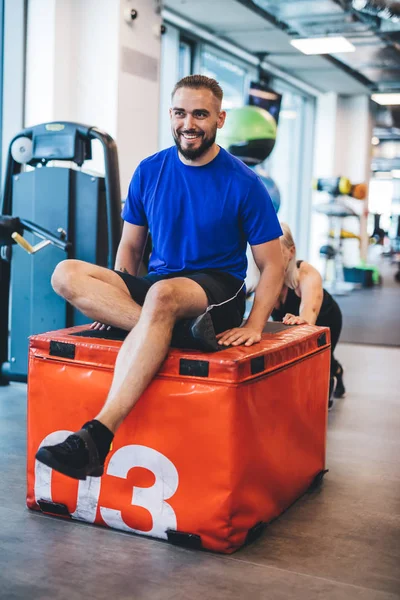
{"x": 146, "y": 347}
{"x": 141, "y": 355}
{"x": 97, "y": 292}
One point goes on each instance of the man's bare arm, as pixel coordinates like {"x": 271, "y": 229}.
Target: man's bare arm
{"x": 269, "y": 260}
{"x": 130, "y": 249}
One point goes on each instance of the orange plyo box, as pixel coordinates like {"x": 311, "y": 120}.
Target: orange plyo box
{"x": 218, "y": 445}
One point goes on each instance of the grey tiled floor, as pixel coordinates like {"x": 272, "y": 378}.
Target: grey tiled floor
{"x": 342, "y": 542}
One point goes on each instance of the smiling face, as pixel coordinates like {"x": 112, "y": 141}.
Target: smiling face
{"x": 195, "y": 117}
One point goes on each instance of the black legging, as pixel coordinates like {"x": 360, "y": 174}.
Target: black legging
{"x": 333, "y": 320}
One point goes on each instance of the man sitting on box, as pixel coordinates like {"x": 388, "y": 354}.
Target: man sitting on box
{"x": 202, "y": 206}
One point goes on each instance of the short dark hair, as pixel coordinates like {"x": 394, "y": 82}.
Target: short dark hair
{"x": 197, "y": 82}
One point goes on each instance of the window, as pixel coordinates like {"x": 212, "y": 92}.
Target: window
{"x": 185, "y": 58}
{"x": 230, "y": 76}
{"x": 283, "y": 163}
{"x": 290, "y": 164}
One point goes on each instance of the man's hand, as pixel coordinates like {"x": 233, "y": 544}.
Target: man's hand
{"x": 100, "y": 326}
{"x": 239, "y": 335}
{"x": 290, "y": 319}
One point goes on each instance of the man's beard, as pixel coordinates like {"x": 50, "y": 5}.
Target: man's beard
{"x": 189, "y": 154}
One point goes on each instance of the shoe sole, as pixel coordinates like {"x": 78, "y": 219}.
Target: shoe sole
{"x": 46, "y": 458}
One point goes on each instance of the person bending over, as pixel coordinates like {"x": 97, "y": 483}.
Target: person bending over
{"x": 303, "y": 300}
{"x": 202, "y": 206}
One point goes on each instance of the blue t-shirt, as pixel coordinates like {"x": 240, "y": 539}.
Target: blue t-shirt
{"x": 200, "y": 217}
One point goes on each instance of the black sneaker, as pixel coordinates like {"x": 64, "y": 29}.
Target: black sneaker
{"x": 340, "y": 390}
{"x": 332, "y": 387}
{"x": 76, "y": 457}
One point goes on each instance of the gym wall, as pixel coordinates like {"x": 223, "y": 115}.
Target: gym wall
{"x": 90, "y": 62}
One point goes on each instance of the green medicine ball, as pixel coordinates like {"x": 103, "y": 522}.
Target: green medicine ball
{"x": 249, "y": 133}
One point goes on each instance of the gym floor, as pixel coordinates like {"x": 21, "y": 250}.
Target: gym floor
{"x": 371, "y": 315}
{"x": 341, "y": 542}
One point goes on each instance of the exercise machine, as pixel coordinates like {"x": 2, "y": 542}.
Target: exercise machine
{"x": 75, "y": 214}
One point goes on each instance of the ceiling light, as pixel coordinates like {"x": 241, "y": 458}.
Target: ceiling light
{"x": 375, "y": 141}
{"x": 386, "y": 99}
{"x": 323, "y": 45}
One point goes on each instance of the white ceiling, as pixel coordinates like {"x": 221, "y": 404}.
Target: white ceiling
{"x": 332, "y": 79}
{"x": 269, "y": 40}
{"x": 216, "y": 14}
{"x": 240, "y": 25}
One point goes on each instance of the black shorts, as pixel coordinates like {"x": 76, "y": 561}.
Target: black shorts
{"x": 221, "y": 289}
